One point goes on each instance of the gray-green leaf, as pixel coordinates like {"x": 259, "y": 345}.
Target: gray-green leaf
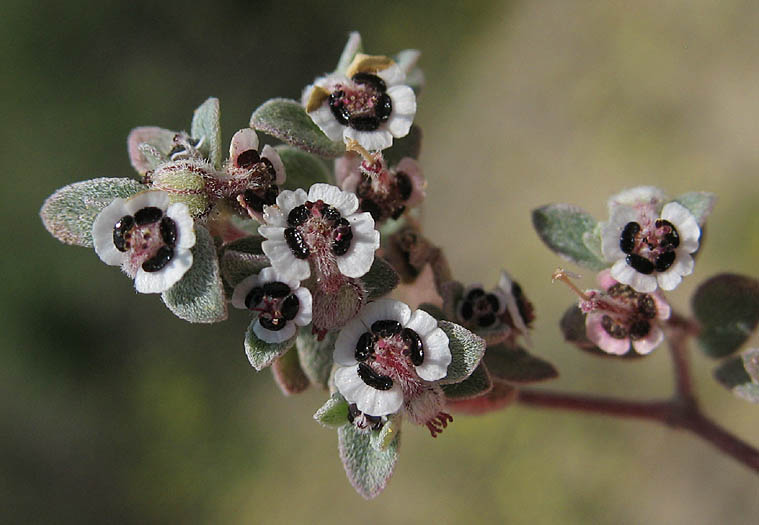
{"x": 68, "y": 213}
{"x": 727, "y": 306}
{"x": 466, "y": 348}
{"x": 315, "y": 356}
{"x": 380, "y": 280}
{"x": 741, "y": 375}
{"x": 699, "y": 203}
{"x": 199, "y": 296}
{"x": 477, "y": 384}
{"x": 516, "y": 365}
{"x": 382, "y": 438}
{"x": 562, "y": 227}
{"x": 205, "y": 125}
{"x": 333, "y": 413}
{"x": 302, "y": 168}
{"x": 260, "y": 353}
{"x": 288, "y": 121}
{"x": 368, "y": 469}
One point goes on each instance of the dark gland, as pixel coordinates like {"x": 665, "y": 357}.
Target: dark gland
{"x": 257, "y": 199}
{"x": 403, "y": 183}
{"x": 298, "y": 215}
{"x": 365, "y": 346}
{"x": 296, "y": 243}
{"x": 383, "y": 106}
{"x": 373, "y": 379}
{"x": 640, "y": 264}
{"x": 627, "y": 240}
{"x": 274, "y": 323}
{"x": 159, "y": 260}
{"x": 386, "y": 328}
{"x": 247, "y": 159}
{"x": 121, "y": 232}
{"x": 290, "y": 307}
{"x": 276, "y": 289}
{"x": 148, "y": 215}
{"x": 342, "y": 236}
{"x": 414, "y": 345}
{"x": 254, "y": 297}
{"x": 168, "y": 230}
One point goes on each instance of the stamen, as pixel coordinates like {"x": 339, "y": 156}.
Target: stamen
{"x": 563, "y": 275}
{"x": 353, "y": 145}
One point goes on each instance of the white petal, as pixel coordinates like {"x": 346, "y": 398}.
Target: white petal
{"x": 437, "y": 356}
{"x": 422, "y": 323}
{"x": 242, "y": 290}
{"x": 243, "y": 140}
{"x": 323, "y": 117}
{"x": 392, "y": 74}
{"x": 669, "y": 280}
{"x": 180, "y": 214}
{"x": 305, "y": 311}
{"x": 366, "y": 240}
{"x": 654, "y": 337}
{"x": 371, "y": 140}
{"x": 271, "y": 274}
{"x": 612, "y": 231}
{"x": 368, "y": 400}
{"x": 626, "y": 274}
{"x": 168, "y": 276}
{"x": 274, "y": 336}
{"x": 272, "y": 232}
{"x": 345, "y": 202}
{"x": 287, "y": 200}
{"x": 382, "y": 309}
{"x": 685, "y": 223}
{"x": 403, "y": 99}
{"x": 638, "y": 195}
{"x": 102, "y": 233}
{"x": 399, "y": 125}
{"x": 270, "y": 153}
{"x": 345, "y": 343}
{"x": 274, "y": 216}
{"x": 158, "y": 199}
{"x": 282, "y": 258}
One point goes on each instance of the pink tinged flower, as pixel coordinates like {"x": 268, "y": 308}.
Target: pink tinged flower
{"x": 369, "y": 104}
{"x": 481, "y": 309}
{"x": 148, "y": 237}
{"x": 649, "y": 247}
{"x": 620, "y": 317}
{"x": 280, "y": 304}
{"x": 390, "y": 359}
{"x": 320, "y": 230}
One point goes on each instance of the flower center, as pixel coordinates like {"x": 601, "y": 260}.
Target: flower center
{"x": 480, "y": 308}
{"x": 362, "y": 420}
{"x": 275, "y": 303}
{"x": 148, "y": 236}
{"x": 361, "y": 104}
{"x": 383, "y": 194}
{"x": 630, "y": 314}
{"x": 650, "y": 248}
{"x": 388, "y": 351}
{"x": 317, "y": 228}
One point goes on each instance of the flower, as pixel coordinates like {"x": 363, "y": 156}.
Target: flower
{"x": 320, "y": 229}
{"x": 619, "y": 317}
{"x": 389, "y": 360}
{"x": 148, "y": 238}
{"x": 281, "y": 304}
{"x": 368, "y": 104}
{"x": 648, "y": 243}
{"x": 384, "y": 192}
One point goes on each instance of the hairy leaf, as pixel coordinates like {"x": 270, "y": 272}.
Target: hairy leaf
{"x": 466, "y": 348}
{"x": 333, "y": 413}
{"x": 205, "y": 126}
{"x": 68, "y": 213}
{"x": 199, "y": 296}
{"x": 148, "y": 146}
{"x": 727, "y": 306}
{"x": 562, "y": 227}
{"x": 380, "y": 280}
{"x": 699, "y": 203}
{"x": 477, "y": 384}
{"x": 368, "y": 469}
{"x": 288, "y": 121}
{"x": 382, "y": 438}
{"x": 260, "y": 353}
{"x": 302, "y": 168}
{"x": 732, "y": 373}
{"x": 516, "y": 365}
{"x": 315, "y": 356}
{"x": 289, "y": 375}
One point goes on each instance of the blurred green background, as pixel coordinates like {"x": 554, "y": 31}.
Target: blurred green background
{"x": 111, "y": 409}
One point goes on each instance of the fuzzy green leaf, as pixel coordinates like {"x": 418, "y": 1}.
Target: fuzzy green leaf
{"x": 732, "y": 373}
{"x": 572, "y": 325}
{"x": 408, "y": 146}
{"x": 333, "y": 413}
{"x": 289, "y": 375}
{"x": 516, "y": 365}
{"x": 288, "y": 121}
{"x": 260, "y": 353}
{"x": 727, "y": 306}
{"x": 236, "y": 266}
{"x": 699, "y": 203}
{"x": 380, "y": 280}
{"x": 352, "y": 47}
{"x": 500, "y": 396}
{"x": 199, "y": 296}
{"x": 475, "y": 385}
{"x": 206, "y": 126}
{"x": 562, "y": 228}
{"x": 382, "y": 438}
{"x": 68, "y": 213}
{"x": 466, "y": 348}
{"x": 250, "y": 244}
{"x": 368, "y": 469}
{"x": 303, "y": 169}
{"x": 315, "y": 356}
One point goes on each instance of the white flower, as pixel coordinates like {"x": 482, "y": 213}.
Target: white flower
{"x": 280, "y": 304}
{"x": 650, "y": 245}
{"x": 149, "y": 238}
{"x": 388, "y": 358}
{"x": 369, "y": 104}
{"x": 320, "y": 229}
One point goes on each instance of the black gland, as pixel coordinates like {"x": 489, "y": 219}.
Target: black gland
{"x": 664, "y": 261}
{"x": 364, "y": 123}
{"x": 331, "y": 213}
{"x": 403, "y": 183}
{"x": 339, "y": 111}
{"x": 639, "y": 329}
{"x": 276, "y": 289}
{"x": 290, "y": 307}
{"x": 159, "y": 260}
{"x": 614, "y": 329}
{"x": 253, "y": 201}
{"x": 372, "y": 80}
{"x": 671, "y": 239}
{"x": 298, "y": 215}
{"x": 640, "y": 264}
{"x": 254, "y": 297}
{"x": 486, "y": 320}
{"x": 474, "y": 294}
{"x": 272, "y": 323}
{"x": 148, "y": 215}
{"x": 495, "y": 304}
{"x": 247, "y": 159}
{"x": 386, "y": 327}
{"x": 342, "y": 236}
{"x": 383, "y": 107}
{"x": 467, "y": 310}
{"x": 365, "y": 346}
{"x": 627, "y": 239}
{"x": 120, "y": 232}
{"x": 270, "y": 195}
{"x": 372, "y": 207}
{"x": 168, "y": 230}
{"x": 414, "y": 344}
{"x": 296, "y": 243}
{"x": 269, "y": 168}
{"x": 373, "y": 379}
{"x": 398, "y": 212}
